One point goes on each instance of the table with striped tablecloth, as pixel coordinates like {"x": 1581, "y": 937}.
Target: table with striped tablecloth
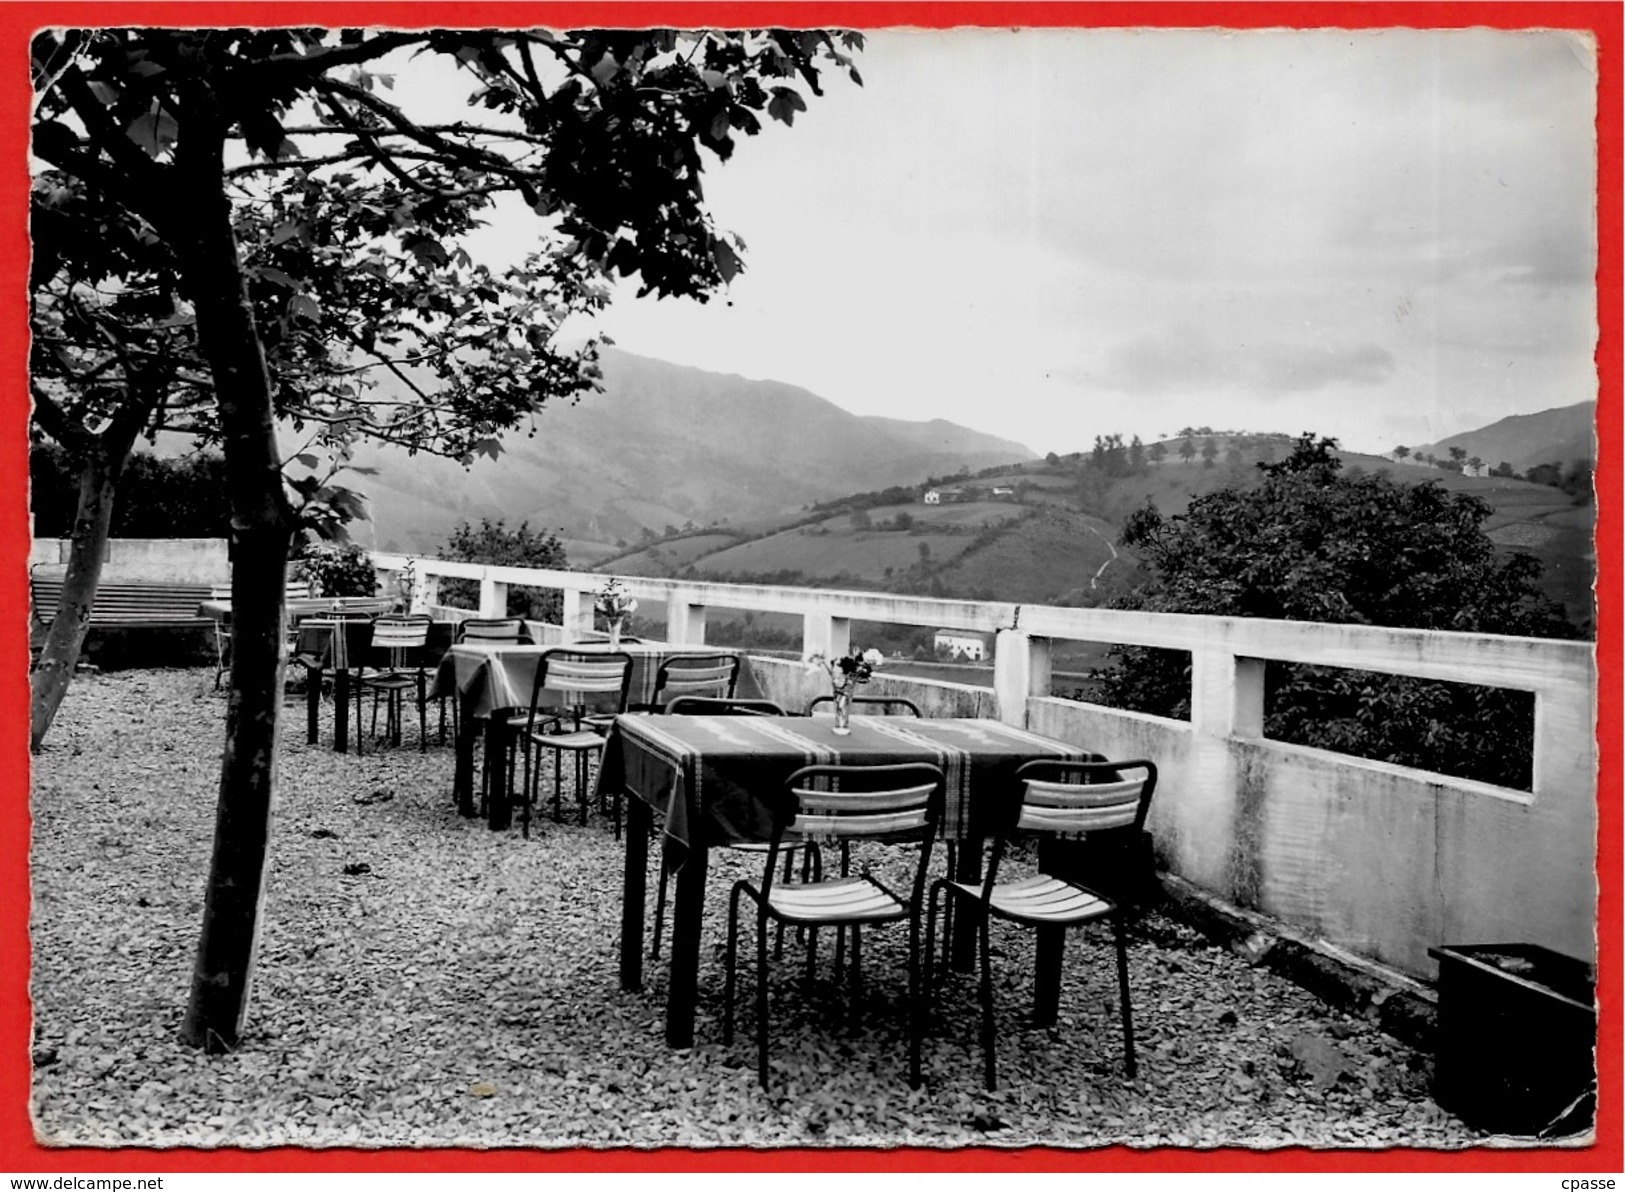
{"x": 493, "y": 678}
{"x": 702, "y": 779}
{"x": 320, "y": 647}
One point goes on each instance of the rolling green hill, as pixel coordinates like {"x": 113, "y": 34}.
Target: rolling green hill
{"x": 1054, "y": 539}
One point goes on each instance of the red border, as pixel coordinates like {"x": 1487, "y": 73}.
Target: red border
{"x": 19, "y": 1153}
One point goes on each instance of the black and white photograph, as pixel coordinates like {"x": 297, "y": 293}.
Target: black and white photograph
{"x": 816, "y": 587}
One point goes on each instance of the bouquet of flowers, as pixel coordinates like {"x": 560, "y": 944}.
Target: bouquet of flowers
{"x": 856, "y": 667}
{"x": 613, "y": 601}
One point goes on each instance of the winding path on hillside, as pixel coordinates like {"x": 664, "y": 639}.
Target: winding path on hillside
{"x": 1094, "y": 580}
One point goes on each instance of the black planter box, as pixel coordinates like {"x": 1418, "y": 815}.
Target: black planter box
{"x": 1517, "y": 1029}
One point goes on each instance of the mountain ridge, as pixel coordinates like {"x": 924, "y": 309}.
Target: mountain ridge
{"x": 1558, "y": 435}
{"x": 662, "y": 446}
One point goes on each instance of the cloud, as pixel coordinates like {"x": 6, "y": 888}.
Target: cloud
{"x": 1184, "y": 360}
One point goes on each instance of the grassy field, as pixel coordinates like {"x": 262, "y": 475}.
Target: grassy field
{"x": 819, "y": 553}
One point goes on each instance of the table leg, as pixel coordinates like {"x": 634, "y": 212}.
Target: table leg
{"x": 313, "y": 704}
{"x": 462, "y": 782}
{"x": 962, "y": 954}
{"x": 341, "y": 710}
{"x": 639, "y": 820}
{"x": 688, "y": 908}
{"x": 499, "y": 814}
{"x": 1047, "y": 975}
{"x": 1058, "y": 858}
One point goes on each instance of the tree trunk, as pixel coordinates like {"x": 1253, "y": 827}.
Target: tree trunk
{"x": 101, "y": 463}
{"x": 262, "y": 521}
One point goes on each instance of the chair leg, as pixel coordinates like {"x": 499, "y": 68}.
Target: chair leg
{"x": 778, "y": 933}
{"x": 761, "y": 997}
{"x": 583, "y": 797}
{"x": 1122, "y": 988}
{"x": 931, "y": 938}
{"x": 916, "y": 1011}
{"x": 729, "y": 963}
{"x": 423, "y": 716}
{"x": 989, "y": 1032}
{"x": 660, "y": 906}
{"x": 558, "y": 786}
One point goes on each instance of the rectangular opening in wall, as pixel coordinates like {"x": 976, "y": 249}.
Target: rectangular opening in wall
{"x": 1481, "y": 733}
{"x": 1134, "y": 678}
{"x": 774, "y": 634}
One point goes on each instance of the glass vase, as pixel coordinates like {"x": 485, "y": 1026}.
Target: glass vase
{"x": 843, "y": 711}
{"x": 615, "y": 633}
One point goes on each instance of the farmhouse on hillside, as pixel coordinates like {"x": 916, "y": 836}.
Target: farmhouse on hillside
{"x": 962, "y": 646}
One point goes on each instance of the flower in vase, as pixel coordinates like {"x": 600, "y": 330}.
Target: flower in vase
{"x": 614, "y": 602}
{"x": 857, "y": 667}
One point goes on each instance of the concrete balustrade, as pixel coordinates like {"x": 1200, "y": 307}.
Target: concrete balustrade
{"x": 1373, "y": 860}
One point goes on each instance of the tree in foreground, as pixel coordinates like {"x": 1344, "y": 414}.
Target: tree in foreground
{"x": 1312, "y": 544}
{"x": 598, "y": 133}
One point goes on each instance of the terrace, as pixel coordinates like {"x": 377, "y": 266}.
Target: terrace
{"x": 426, "y": 981}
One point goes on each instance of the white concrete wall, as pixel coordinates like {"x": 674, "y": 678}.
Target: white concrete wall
{"x": 1377, "y": 860}
{"x": 146, "y": 560}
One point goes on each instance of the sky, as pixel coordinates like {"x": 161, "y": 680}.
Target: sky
{"x": 1048, "y": 235}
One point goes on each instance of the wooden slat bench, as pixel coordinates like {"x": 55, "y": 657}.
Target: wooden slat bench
{"x": 128, "y": 606}
{"x": 124, "y": 605}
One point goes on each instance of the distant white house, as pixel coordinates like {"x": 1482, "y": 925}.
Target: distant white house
{"x": 1002, "y": 491}
{"x": 933, "y": 497}
{"x": 961, "y": 645}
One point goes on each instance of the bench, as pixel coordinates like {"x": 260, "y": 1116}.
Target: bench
{"x": 123, "y": 605}
{"x": 127, "y": 606}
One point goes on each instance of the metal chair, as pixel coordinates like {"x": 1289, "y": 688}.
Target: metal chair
{"x": 509, "y": 630}
{"x": 873, "y": 705}
{"x": 1058, "y": 799}
{"x": 491, "y": 629}
{"x": 566, "y": 682}
{"x": 399, "y": 636}
{"x": 711, "y": 676}
{"x": 896, "y": 804}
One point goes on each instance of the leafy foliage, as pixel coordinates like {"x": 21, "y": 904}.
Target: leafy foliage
{"x": 494, "y": 543}
{"x": 335, "y": 569}
{"x": 1309, "y": 544}
{"x": 159, "y": 498}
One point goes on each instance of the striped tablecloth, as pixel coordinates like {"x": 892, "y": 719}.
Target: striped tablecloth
{"x": 705, "y": 774}
{"x": 491, "y": 675}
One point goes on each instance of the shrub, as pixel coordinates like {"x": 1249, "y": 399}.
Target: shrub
{"x": 492, "y": 542}
{"x": 1311, "y": 544}
{"x": 335, "y": 569}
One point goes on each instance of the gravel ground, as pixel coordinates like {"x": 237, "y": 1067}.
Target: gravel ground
{"x": 425, "y": 981}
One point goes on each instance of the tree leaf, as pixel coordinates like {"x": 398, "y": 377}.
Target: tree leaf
{"x": 304, "y": 306}
{"x": 154, "y": 131}
{"x": 728, "y": 262}
{"x": 785, "y": 104}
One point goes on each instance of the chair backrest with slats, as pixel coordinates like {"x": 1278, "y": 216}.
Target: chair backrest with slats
{"x": 890, "y": 803}
{"x": 1068, "y": 798}
{"x": 499, "y": 629}
{"x": 712, "y": 675}
{"x": 699, "y": 705}
{"x": 1068, "y": 807}
{"x": 398, "y": 635}
{"x": 571, "y": 678}
{"x": 867, "y": 705}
